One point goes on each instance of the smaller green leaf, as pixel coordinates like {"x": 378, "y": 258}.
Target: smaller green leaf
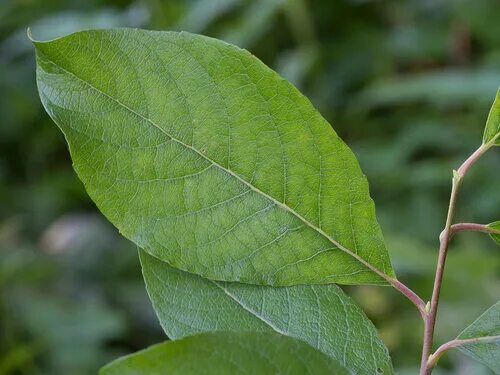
{"x": 492, "y": 130}
{"x": 320, "y": 315}
{"x": 496, "y": 226}
{"x": 487, "y": 325}
{"x": 224, "y": 353}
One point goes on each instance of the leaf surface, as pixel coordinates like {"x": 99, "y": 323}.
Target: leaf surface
{"x": 224, "y": 353}
{"x": 495, "y": 236}
{"x": 487, "y": 325}
{"x": 321, "y": 315}
{"x": 209, "y": 160}
{"x": 492, "y": 130}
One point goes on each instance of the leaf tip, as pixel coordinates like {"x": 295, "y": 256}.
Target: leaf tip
{"x": 28, "y": 33}
{"x": 492, "y": 129}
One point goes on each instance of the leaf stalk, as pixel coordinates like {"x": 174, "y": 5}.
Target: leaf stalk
{"x": 411, "y": 295}
{"x": 470, "y": 227}
{"x": 434, "y": 358}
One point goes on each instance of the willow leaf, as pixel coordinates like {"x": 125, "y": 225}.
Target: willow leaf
{"x": 492, "y": 129}
{"x": 321, "y": 315}
{"x": 486, "y": 326}
{"x": 209, "y": 160}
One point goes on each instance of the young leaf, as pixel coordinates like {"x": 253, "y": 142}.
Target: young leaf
{"x": 495, "y": 225}
{"x": 209, "y": 160}
{"x": 492, "y": 130}
{"x": 487, "y": 325}
{"x": 224, "y": 353}
{"x": 321, "y": 315}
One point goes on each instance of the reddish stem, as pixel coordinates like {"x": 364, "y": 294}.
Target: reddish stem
{"x": 430, "y": 317}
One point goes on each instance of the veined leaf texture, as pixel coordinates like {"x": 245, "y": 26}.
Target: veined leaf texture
{"x": 208, "y": 160}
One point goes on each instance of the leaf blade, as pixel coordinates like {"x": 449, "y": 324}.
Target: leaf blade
{"x": 487, "y": 325}
{"x": 495, "y": 236}
{"x": 323, "y": 316}
{"x": 227, "y": 353}
{"x": 164, "y": 163}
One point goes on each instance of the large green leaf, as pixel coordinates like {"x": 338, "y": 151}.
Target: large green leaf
{"x": 209, "y": 160}
{"x": 495, "y": 236}
{"x": 486, "y": 326}
{"x": 492, "y": 130}
{"x": 224, "y": 353}
{"x": 321, "y": 315}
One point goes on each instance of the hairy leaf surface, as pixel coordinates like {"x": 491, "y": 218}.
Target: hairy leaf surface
{"x": 492, "y": 130}
{"x": 224, "y": 353}
{"x": 321, "y": 315}
{"x": 487, "y": 325}
{"x": 209, "y": 160}
{"x": 495, "y": 236}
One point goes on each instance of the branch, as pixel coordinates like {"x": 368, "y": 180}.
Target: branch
{"x": 430, "y": 317}
{"x": 430, "y": 320}
{"x": 434, "y": 358}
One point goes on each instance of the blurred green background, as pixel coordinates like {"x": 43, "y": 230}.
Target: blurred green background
{"x": 407, "y": 84}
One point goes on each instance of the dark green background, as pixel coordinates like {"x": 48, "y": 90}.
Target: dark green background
{"x": 407, "y": 84}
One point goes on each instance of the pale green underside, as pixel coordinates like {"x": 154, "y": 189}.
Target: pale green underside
{"x": 210, "y": 161}
{"x": 321, "y": 315}
{"x": 225, "y": 353}
{"x": 487, "y": 324}
{"x": 492, "y": 129}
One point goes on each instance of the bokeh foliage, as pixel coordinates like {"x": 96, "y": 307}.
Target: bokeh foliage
{"x": 406, "y": 84}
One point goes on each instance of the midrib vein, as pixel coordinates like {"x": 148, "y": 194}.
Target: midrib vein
{"x": 213, "y": 162}
{"x": 246, "y": 308}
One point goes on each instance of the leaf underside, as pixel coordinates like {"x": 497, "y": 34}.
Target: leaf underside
{"x": 225, "y": 353}
{"x": 492, "y": 129}
{"x": 321, "y": 315}
{"x": 487, "y": 325}
{"x": 207, "y": 159}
